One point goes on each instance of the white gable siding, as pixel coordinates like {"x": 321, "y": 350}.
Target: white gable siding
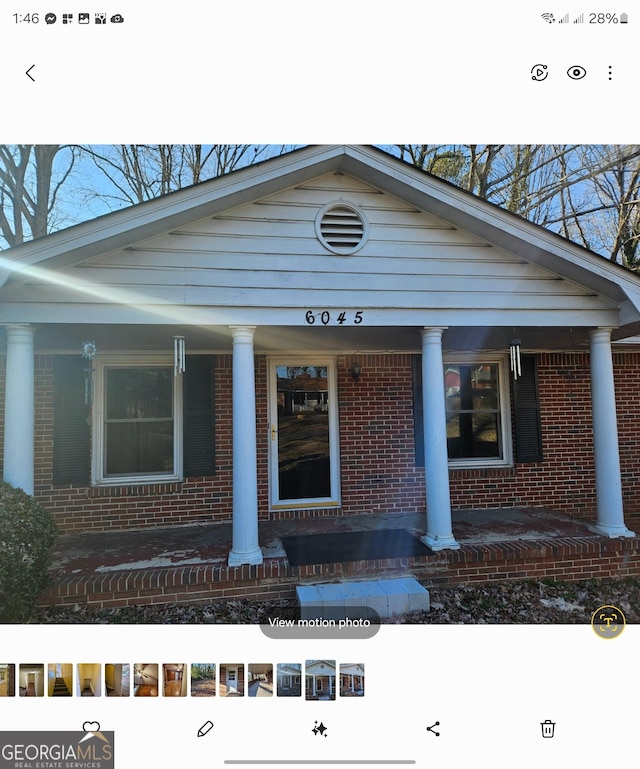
{"x": 266, "y": 255}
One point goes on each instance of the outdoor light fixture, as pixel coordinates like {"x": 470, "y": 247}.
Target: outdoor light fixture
{"x": 514, "y": 355}
{"x": 179, "y": 366}
{"x": 355, "y": 371}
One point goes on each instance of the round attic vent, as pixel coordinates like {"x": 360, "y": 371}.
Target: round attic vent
{"x": 341, "y": 227}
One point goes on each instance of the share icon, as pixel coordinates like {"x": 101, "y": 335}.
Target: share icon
{"x": 432, "y": 728}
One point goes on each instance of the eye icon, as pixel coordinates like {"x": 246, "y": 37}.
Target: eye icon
{"x": 576, "y": 72}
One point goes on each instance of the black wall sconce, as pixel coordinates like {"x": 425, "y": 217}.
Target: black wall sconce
{"x": 355, "y": 371}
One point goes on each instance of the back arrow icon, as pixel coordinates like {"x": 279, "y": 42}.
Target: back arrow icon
{"x": 28, "y": 71}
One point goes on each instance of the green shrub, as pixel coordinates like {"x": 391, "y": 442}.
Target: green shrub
{"x": 27, "y": 532}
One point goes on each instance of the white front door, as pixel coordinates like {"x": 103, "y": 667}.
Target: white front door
{"x": 232, "y": 679}
{"x": 303, "y": 426}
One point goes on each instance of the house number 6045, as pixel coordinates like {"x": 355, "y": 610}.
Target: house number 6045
{"x": 324, "y": 317}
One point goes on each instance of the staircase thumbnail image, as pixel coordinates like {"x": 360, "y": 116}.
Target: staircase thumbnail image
{"x": 60, "y": 689}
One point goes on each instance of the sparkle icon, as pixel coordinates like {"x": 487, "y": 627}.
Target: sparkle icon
{"x": 319, "y": 728}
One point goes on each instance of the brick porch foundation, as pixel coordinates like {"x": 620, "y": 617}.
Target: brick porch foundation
{"x": 569, "y": 559}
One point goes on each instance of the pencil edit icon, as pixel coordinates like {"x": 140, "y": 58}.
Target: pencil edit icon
{"x": 206, "y": 727}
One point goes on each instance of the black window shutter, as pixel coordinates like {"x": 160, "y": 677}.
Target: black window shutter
{"x": 71, "y": 431}
{"x": 526, "y": 407}
{"x": 198, "y": 416}
{"x": 418, "y": 410}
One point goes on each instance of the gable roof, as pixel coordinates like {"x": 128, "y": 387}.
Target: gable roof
{"x": 439, "y": 198}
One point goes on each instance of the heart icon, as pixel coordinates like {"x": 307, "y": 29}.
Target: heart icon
{"x": 91, "y": 726}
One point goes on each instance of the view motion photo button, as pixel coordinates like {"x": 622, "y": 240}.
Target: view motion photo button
{"x": 317, "y": 621}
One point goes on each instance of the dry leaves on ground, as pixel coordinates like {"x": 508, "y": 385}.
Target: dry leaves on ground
{"x": 526, "y": 602}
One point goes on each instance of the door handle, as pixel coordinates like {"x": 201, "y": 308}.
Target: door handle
{"x": 273, "y": 432}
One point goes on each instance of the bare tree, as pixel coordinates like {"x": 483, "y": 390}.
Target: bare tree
{"x": 450, "y": 162}
{"x": 139, "y": 172}
{"x": 588, "y": 193}
{"x": 603, "y": 211}
{"x": 614, "y": 222}
{"x": 102, "y": 178}
{"x": 515, "y": 177}
{"x": 31, "y": 177}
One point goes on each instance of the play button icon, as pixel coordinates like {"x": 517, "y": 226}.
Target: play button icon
{"x": 539, "y": 72}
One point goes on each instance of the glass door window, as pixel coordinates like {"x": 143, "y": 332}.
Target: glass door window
{"x": 304, "y": 456}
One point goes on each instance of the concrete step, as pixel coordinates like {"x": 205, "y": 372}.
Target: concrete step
{"x": 385, "y": 596}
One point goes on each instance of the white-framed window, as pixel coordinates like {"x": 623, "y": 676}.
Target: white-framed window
{"x": 478, "y": 411}
{"x": 137, "y": 419}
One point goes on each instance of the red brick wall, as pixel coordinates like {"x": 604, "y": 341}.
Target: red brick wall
{"x": 627, "y": 372}
{"x": 377, "y": 451}
{"x": 565, "y": 478}
{"x": 377, "y": 459}
{"x": 197, "y": 500}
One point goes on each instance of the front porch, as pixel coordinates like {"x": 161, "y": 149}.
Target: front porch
{"x": 188, "y": 564}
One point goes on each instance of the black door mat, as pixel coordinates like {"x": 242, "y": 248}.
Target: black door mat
{"x": 352, "y": 546}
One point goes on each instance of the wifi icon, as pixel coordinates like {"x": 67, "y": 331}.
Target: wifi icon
{"x": 548, "y": 17}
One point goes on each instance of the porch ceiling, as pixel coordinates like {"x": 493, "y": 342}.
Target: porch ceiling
{"x": 274, "y": 339}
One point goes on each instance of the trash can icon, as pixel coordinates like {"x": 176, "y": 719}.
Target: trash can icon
{"x": 548, "y": 727}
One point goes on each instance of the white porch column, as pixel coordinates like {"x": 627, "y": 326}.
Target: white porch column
{"x": 19, "y": 408}
{"x": 605, "y": 438}
{"x": 439, "y": 534}
{"x": 245, "y": 548}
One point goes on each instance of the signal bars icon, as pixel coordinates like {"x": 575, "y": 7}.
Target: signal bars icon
{"x": 549, "y": 17}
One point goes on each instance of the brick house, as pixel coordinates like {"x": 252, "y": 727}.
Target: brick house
{"x": 288, "y": 679}
{"x": 330, "y": 332}
{"x": 320, "y": 680}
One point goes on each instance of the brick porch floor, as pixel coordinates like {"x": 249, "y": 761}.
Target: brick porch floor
{"x": 188, "y": 564}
